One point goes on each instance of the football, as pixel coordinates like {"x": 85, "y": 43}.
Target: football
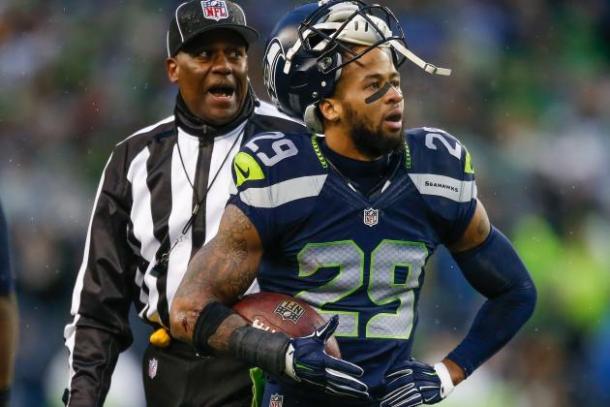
{"x": 281, "y": 313}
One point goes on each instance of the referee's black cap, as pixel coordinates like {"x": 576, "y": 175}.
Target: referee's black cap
{"x": 193, "y": 18}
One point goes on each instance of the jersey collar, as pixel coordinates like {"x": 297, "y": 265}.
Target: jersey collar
{"x": 197, "y": 127}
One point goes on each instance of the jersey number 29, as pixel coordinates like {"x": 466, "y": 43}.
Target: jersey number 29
{"x": 381, "y": 284}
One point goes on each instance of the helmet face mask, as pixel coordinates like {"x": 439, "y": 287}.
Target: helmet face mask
{"x": 310, "y": 46}
{"x": 361, "y": 24}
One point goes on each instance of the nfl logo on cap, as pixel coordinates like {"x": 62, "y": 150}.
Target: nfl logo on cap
{"x": 215, "y": 9}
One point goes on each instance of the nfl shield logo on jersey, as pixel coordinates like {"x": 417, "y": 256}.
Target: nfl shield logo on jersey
{"x": 277, "y": 400}
{"x": 152, "y": 367}
{"x": 215, "y": 9}
{"x": 371, "y": 217}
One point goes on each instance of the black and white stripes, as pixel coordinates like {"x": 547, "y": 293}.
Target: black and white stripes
{"x": 146, "y": 197}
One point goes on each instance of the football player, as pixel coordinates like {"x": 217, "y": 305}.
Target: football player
{"x": 347, "y": 221}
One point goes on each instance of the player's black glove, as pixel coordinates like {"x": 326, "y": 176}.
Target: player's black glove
{"x": 415, "y": 383}
{"x": 307, "y": 361}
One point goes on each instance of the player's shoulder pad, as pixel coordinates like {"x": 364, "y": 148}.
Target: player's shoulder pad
{"x": 268, "y": 117}
{"x": 272, "y": 157}
{"x": 439, "y": 165}
{"x": 435, "y": 151}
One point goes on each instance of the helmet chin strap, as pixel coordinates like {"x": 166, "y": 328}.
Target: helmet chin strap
{"x": 431, "y": 69}
{"x": 311, "y": 119}
{"x": 313, "y": 122}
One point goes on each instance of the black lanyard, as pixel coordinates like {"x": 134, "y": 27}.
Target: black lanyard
{"x": 164, "y": 259}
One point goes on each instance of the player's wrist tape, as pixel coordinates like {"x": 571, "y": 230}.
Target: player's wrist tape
{"x": 5, "y": 396}
{"x": 289, "y": 363}
{"x": 447, "y": 385}
{"x": 208, "y": 321}
{"x": 260, "y": 348}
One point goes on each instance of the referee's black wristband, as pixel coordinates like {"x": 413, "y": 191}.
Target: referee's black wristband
{"x": 208, "y": 321}
{"x": 260, "y": 348}
{"x": 5, "y": 397}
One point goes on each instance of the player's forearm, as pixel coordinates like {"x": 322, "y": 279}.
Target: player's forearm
{"x": 218, "y": 330}
{"x": 497, "y": 272}
{"x": 8, "y": 339}
{"x": 195, "y": 292}
{"x": 497, "y": 322}
{"x": 219, "y": 273}
{"x": 199, "y": 289}
{"x": 220, "y": 340}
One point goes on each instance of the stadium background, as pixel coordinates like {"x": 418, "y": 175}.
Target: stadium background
{"x": 530, "y": 97}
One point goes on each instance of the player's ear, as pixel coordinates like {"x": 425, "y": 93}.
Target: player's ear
{"x": 330, "y": 109}
{"x": 173, "y": 70}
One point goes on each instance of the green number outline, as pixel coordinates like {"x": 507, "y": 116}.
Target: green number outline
{"x": 407, "y": 294}
{"x": 329, "y": 285}
{"x": 411, "y": 283}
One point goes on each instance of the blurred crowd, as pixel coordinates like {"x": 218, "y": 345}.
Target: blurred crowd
{"x": 529, "y": 96}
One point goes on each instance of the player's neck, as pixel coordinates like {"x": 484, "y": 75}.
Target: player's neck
{"x": 342, "y": 144}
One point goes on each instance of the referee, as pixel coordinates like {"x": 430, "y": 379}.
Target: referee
{"x": 160, "y": 198}
{"x": 8, "y": 316}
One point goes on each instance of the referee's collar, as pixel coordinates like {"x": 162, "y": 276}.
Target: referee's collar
{"x": 197, "y": 127}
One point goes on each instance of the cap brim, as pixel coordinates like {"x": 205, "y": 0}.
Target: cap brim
{"x": 249, "y": 34}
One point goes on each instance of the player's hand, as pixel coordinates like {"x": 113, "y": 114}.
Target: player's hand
{"x": 415, "y": 383}
{"x": 307, "y": 361}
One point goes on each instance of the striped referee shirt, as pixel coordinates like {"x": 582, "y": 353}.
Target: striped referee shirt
{"x": 147, "y": 194}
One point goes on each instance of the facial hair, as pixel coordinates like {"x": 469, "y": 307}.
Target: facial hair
{"x": 370, "y": 141}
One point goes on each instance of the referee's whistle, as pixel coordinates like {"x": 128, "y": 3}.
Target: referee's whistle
{"x": 160, "y": 338}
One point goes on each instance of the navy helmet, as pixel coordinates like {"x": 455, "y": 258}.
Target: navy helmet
{"x": 307, "y": 49}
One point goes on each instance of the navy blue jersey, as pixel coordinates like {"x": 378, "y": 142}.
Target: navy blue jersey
{"x": 359, "y": 257}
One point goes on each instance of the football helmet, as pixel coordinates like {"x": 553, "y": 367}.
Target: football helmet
{"x": 307, "y": 51}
